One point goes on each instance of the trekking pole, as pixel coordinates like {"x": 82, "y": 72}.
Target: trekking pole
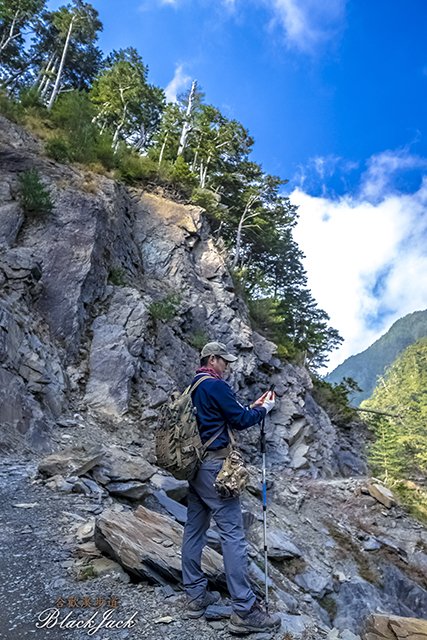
{"x": 264, "y": 504}
{"x": 264, "y": 510}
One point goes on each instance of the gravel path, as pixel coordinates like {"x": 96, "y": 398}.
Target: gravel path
{"x": 36, "y": 554}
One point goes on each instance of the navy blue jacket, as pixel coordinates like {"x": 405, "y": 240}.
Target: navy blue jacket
{"x": 216, "y": 404}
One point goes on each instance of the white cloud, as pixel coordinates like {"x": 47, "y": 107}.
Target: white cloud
{"x": 147, "y": 5}
{"x": 179, "y": 82}
{"x": 308, "y": 23}
{"x": 366, "y": 261}
{"x": 383, "y": 167}
{"x": 314, "y": 176}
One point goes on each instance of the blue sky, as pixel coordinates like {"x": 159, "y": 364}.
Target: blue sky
{"x": 334, "y": 93}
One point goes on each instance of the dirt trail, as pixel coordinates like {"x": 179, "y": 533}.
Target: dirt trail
{"x": 34, "y": 554}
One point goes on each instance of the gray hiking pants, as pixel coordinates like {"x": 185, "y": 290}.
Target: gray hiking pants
{"x": 204, "y": 501}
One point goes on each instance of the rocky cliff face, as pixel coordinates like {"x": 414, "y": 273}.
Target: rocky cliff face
{"x": 80, "y": 332}
{"x": 104, "y": 305}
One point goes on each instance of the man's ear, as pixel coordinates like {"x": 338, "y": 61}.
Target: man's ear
{"x": 211, "y": 359}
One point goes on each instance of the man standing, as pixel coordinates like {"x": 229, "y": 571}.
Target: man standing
{"x": 216, "y": 405}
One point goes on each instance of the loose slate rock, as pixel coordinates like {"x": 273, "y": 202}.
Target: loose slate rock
{"x": 174, "y": 508}
{"x": 70, "y": 462}
{"x": 128, "y": 537}
{"x": 383, "y": 627}
{"x": 133, "y": 489}
{"x": 175, "y": 489}
{"x": 120, "y": 465}
{"x": 313, "y": 582}
{"x": 382, "y": 494}
{"x": 26, "y": 505}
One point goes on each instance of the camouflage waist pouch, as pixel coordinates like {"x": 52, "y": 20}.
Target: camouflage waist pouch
{"x": 232, "y": 478}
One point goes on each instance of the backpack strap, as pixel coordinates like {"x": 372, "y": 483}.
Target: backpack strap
{"x": 189, "y": 390}
{"x": 193, "y": 387}
{"x": 214, "y": 437}
{"x": 232, "y": 438}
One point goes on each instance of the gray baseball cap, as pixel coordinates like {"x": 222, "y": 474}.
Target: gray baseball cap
{"x": 217, "y": 349}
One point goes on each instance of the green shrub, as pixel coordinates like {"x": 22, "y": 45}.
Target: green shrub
{"x": 207, "y": 199}
{"x": 30, "y": 99}
{"x": 166, "y": 309}
{"x": 334, "y": 399}
{"x": 263, "y": 312}
{"x": 57, "y": 148}
{"x": 73, "y": 113}
{"x": 182, "y": 176}
{"x": 35, "y": 198}
{"x": 117, "y": 277}
{"x": 198, "y": 339}
{"x": 133, "y": 168}
{"x": 10, "y": 108}
{"x": 412, "y": 496}
{"x": 104, "y": 151}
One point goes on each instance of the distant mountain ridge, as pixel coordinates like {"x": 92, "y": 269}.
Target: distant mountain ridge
{"x": 365, "y": 367}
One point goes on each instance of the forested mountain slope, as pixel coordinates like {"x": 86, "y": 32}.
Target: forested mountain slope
{"x": 401, "y": 448}
{"x": 367, "y": 366}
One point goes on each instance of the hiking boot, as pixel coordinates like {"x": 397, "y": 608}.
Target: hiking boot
{"x": 197, "y": 607}
{"x": 256, "y": 620}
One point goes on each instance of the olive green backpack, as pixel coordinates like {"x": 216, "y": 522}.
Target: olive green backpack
{"x": 179, "y": 448}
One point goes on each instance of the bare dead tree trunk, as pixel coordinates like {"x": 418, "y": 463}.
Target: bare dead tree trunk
{"x": 162, "y": 150}
{"x": 44, "y": 73}
{"x": 61, "y": 65}
{"x": 6, "y": 39}
{"x": 204, "y": 172}
{"x": 187, "y": 120}
{"x": 141, "y": 142}
{"x": 48, "y": 82}
{"x": 99, "y": 117}
{"x": 119, "y": 127}
{"x": 194, "y": 163}
{"x": 246, "y": 215}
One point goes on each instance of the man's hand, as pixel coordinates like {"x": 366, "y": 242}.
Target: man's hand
{"x": 267, "y": 401}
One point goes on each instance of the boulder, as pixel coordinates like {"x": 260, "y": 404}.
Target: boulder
{"x": 119, "y": 465}
{"x": 148, "y": 545}
{"x": 315, "y": 583}
{"x": 297, "y": 626}
{"x": 411, "y": 596}
{"x": 279, "y": 544}
{"x": 86, "y": 531}
{"x": 371, "y": 544}
{"x": 295, "y": 430}
{"x": 106, "y": 567}
{"x": 173, "y": 508}
{"x": 356, "y": 600}
{"x": 131, "y": 489}
{"x": 298, "y": 456}
{"x": 384, "y": 627}
{"x": 70, "y": 462}
{"x": 382, "y": 494}
{"x": 175, "y": 489}
{"x": 348, "y": 635}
